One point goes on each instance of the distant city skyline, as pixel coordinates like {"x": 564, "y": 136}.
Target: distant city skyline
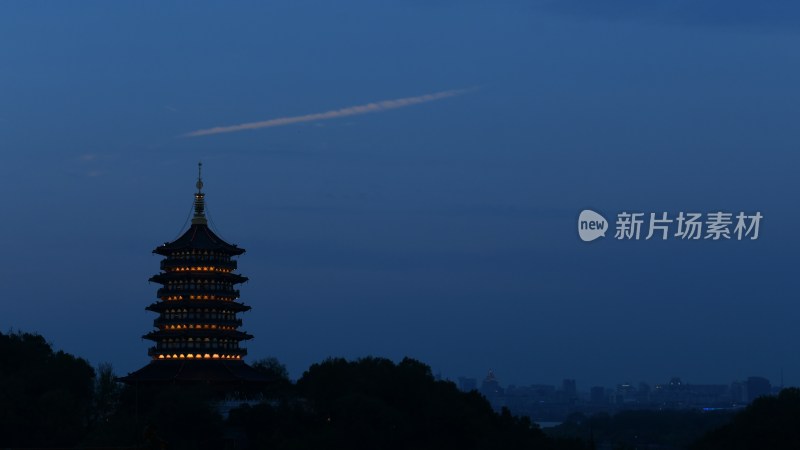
{"x": 587, "y": 387}
{"x": 555, "y": 403}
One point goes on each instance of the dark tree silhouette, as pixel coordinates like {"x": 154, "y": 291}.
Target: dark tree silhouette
{"x": 637, "y": 429}
{"x": 272, "y": 367}
{"x": 767, "y": 423}
{"x": 280, "y": 387}
{"x": 373, "y": 403}
{"x": 175, "y": 417}
{"x": 45, "y": 396}
{"x": 106, "y": 393}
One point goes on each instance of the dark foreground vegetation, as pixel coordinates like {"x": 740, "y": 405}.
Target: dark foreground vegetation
{"x": 53, "y": 399}
{"x": 768, "y": 423}
{"x": 668, "y": 429}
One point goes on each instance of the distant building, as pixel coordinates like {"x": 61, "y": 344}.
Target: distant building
{"x": 757, "y": 387}
{"x": 625, "y": 393}
{"x": 569, "y": 389}
{"x": 539, "y": 392}
{"x": 491, "y": 387}
{"x": 643, "y": 393}
{"x": 467, "y": 384}
{"x": 737, "y": 392}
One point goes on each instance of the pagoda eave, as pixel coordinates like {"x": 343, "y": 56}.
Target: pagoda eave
{"x": 168, "y": 250}
{"x": 202, "y": 333}
{"x": 188, "y": 293}
{"x": 195, "y": 304}
{"x": 161, "y": 323}
{"x": 198, "y": 238}
{"x": 162, "y": 278}
{"x": 216, "y": 372}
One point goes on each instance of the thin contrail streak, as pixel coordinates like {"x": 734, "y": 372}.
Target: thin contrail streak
{"x": 369, "y": 108}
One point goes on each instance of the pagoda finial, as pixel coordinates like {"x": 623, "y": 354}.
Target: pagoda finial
{"x": 199, "y": 176}
{"x": 199, "y": 199}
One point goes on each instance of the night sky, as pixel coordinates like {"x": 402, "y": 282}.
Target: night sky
{"x": 442, "y": 228}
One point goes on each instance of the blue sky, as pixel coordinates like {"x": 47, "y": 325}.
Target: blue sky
{"x": 444, "y": 230}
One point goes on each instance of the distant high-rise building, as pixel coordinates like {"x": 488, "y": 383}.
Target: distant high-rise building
{"x": 490, "y": 386}
{"x": 625, "y": 393}
{"x": 757, "y": 387}
{"x": 643, "y": 393}
{"x": 569, "y": 387}
{"x": 569, "y": 391}
{"x": 737, "y": 392}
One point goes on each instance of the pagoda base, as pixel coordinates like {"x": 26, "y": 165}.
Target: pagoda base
{"x": 205, "y": 371}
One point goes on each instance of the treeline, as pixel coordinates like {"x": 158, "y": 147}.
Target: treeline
{"x": 53, "y": 399}
{"x": 768, "y": 423}
{"x": 374, "y": 403}
{"x": 668, "y": 429}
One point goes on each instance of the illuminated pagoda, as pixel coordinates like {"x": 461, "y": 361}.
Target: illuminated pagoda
{"x": 197, "y": 336}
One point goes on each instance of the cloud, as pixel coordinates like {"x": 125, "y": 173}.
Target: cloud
{"x": 368, "y": 108}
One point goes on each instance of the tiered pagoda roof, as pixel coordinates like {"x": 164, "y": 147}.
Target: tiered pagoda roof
{"x": 198, "y": 237}
{"x": 196, "y": 335}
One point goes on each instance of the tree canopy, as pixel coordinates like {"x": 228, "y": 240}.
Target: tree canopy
{"x": 768, "y": 422}
{"x": 53, "y": 399}
{"x": 46, "y": 396}
{"x": 373, "y": 403}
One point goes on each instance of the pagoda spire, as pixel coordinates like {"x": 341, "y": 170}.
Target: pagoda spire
{"x": 199, "y": 199}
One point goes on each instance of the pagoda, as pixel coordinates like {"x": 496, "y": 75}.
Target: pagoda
{"x": 196, "y": 335}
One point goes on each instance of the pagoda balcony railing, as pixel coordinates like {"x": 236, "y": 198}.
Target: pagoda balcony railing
{"x": 171, "y": 263}
{"x": 188, "y": 293}
{"x": 221, "y": 322}
{"x": 155, "y": 351}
